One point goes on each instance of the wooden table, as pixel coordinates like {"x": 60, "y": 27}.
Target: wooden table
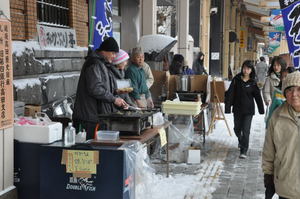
{"x": 146, "y": 136}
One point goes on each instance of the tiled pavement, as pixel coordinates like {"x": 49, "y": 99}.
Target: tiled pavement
{"x": 243, "y": 178}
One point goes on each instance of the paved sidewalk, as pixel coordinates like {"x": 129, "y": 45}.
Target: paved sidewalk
{"x": 243, "y": 178}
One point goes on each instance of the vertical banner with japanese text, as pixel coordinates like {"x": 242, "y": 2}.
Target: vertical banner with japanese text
{"x": 291, "y": 17}
{"x": 6, "y": 77}
{"x": 102, "y": 22}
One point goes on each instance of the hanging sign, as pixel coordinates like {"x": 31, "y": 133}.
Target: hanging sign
{"x": 242, "y": 39}
{"x": 291, "y": 14}
{"x": 81, "y": 163}
{"x": 163, "y": 137}
{"x": 102, "y": 22}
{"x": 6, "y": 76}
{"x": 276, "y": 20}
{"x": 274, "y": 41}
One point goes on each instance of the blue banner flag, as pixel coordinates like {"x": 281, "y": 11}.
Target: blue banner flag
{"x": 291, "y": 17}
{"x": 102, "y": 22}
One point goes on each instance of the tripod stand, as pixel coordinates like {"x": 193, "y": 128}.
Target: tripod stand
{"x": 218, "y": 113}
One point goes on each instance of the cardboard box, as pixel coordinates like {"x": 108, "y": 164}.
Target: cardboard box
{"x": 198, "y": 83}
{"x": 44, "y": 134}
{"x": 30, "y": 110}
{"x": 160, "y": 81}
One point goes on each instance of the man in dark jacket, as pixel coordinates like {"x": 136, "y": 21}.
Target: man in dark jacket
{"x": 95, "y": 94}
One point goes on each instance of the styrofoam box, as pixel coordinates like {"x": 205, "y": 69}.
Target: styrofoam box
{"x": 38, "y": 133}
{"x": 181, "y": 107}
{"x": 193, "y": 156}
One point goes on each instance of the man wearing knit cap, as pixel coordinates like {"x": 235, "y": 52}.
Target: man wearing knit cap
{"x": 135, "y": 72}
{"x": 95, "y": 94}
{"x": 281, "y": 152}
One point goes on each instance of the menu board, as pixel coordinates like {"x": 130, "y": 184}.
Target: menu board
{"x": 6, "y": 76}
{"x": 81, "y": 163}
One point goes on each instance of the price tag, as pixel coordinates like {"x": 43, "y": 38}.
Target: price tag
{"x": 163, "y": 137}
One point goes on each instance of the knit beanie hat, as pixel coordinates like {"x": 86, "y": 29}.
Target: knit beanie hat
{"x": 292, "y": 79}
{"x": 109, "y": 44}
{"x": 136, "y": 51}
{"x": 120, "y": 57}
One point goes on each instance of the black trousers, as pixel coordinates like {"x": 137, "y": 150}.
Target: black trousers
{"x": 270, "y": 191}
{"x": 89, "y": 127}
{"x": 242, "y": 125}
{"x": 282, "y": 197}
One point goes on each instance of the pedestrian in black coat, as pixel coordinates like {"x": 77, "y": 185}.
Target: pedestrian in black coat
{"x": 95, "y": 90}
{"x": 198, "y": 65}
{"x": 241, "y": 94}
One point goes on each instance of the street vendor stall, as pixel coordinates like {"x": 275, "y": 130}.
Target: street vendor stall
{"x": 94, "y": 169}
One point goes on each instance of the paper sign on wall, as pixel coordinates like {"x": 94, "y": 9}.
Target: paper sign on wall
{"x": 81, "y": 163}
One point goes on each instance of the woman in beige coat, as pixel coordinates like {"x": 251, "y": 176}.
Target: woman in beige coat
{"x": 278, "y": 64}
{"x": 281, "y": 152}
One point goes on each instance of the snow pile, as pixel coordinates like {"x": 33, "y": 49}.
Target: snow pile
{"x": 23, "y": 83}
{"x": 155, "y": 43}
{"x": 47, "y": 78}
{"x": 185, "y": 186}
{"x": 71, "y": 75}
{"x": 19, "y": 47}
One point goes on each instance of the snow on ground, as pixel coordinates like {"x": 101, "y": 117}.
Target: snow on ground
{"x": 201, "y": 183}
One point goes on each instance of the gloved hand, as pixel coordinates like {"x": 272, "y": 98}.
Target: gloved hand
{"x": 269, "y": 180}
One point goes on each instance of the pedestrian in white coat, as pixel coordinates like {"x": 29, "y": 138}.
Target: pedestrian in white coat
{"x": 273, "y": 79}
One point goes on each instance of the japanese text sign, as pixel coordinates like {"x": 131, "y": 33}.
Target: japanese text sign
{"x": 6, "y": 77}
{"x": 50, "y": 37}
{"x": 81, "y": 163}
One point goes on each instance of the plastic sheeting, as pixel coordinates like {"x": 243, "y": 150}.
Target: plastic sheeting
{"x": 138, "y": 165}
{"x": 181, "y": 134}
{"x": 149, "y": 185}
